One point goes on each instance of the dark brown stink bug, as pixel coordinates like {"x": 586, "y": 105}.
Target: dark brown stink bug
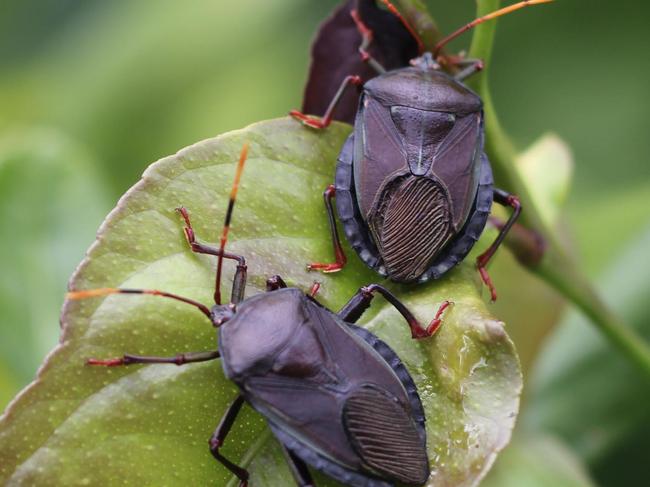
{"x": 336, "y": 397}
{"x": 413, "y": 185}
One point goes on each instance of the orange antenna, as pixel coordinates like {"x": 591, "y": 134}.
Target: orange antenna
{"x": 408, "y": 26}
{"x": 105, "y": 291}
{"x": 226, "y": 225}
{"x": 480, "y": 20}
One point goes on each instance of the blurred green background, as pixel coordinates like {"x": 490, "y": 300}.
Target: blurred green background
{"x": 91, "y": 92}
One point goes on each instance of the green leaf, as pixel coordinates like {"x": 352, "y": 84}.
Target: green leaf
{"x": 547, "y": 167}
{"x": 417, "y": 14}
{"x": 149, "y": 425}
{"x": 51, "y": 201}
{"x": 527, "y": 304}
{"x": 537, "y": 462}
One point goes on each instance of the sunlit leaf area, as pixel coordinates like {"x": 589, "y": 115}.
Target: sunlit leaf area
{"x": 93, "y": 92}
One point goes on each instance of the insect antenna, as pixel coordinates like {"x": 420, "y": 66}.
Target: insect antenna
{"x": 226, "y": 225}
{"x": 480, "y": 20}
{"x": 406, "y": 24}
{"x": 105, "y": 291}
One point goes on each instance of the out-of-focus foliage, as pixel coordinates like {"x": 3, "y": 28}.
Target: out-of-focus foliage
{"x": 538, "y": 462}
{"x": 50, "y": 201}
{"x": 122, "y": 83}
{"x": 587, "y": 394}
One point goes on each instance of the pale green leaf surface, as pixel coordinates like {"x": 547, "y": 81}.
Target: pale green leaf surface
{"x": 150, "y": 425}
{"x": 540, "y": 461}
{"x": 522, "y": 294}
{"x": 547, "y": 167}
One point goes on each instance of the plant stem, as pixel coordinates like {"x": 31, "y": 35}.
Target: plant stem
{"x": 556, "y": 268}
{"x": 417, "y": 13}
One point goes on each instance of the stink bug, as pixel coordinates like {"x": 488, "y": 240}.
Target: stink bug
{"x": 413, "y": 185}
{"x": 335, "y": 396}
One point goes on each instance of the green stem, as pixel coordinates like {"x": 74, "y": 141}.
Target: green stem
{"x": 417, "y": 14}
{"x": 556, "y": 268}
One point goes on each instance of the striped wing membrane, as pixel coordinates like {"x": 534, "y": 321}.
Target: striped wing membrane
{"x": 411, "y": 225}
{"x": 385, "y": 436}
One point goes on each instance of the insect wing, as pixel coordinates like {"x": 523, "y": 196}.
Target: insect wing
{"x": 379, "y": 155}
{"x": 385, "y": 435}
{"x": 456, "y": 164}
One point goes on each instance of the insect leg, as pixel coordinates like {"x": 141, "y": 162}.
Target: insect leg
{"x": 406, "y": 24}
{"x": 180, "y": 359}
{"x": 366, "y": 40}
{"x": 353, "y": 310}
{"x": 341, "y": 260}
{"x": 219, "y": 436}
{"x": 239, "y": 281}
{"x": 298, "y": 469}
{"x": 323, "y": 122}
{"x": 274, "y": 283}
{"x": 470, "y": 67}
{"x": 506, "y": 199}
{"x": 200, "y": 248}
{"x": 315, "y": 287}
